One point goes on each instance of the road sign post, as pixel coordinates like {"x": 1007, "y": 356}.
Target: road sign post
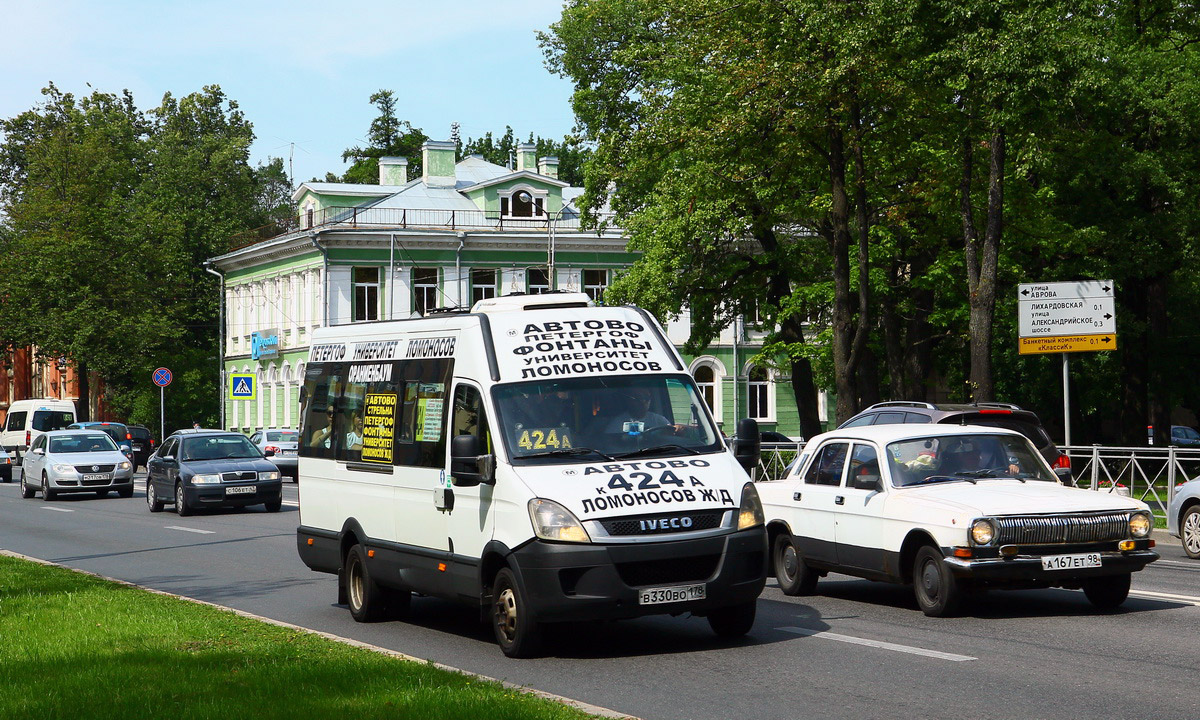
{"x": 1066, "y": 317}
{"x": 162, "y": 378}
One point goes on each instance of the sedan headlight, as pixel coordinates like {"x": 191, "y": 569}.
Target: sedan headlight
{"x": 270, "y": 475}
{"x": 206, "y": 479}
{"x": 552, "y": 521}
{"x": 983, "y": 531}
{"x": 1140, "y": 524}
{"x": 750, "y": 514}
{"x": 123, "y": 466}
{"x": 63, "y": 469}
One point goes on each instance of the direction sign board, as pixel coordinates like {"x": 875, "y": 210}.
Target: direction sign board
{"x": 162, "y": 377}
{"x": 242, "y": 386}
{"x": 1066, "y": 317}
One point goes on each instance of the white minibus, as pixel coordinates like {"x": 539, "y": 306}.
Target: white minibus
{"x": 540, "y": 458}
{"x": 25, "y": 421}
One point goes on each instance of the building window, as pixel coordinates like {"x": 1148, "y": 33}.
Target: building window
{"x": 483, "y": 285}
{"x": 594, "y": 283}
{"x": 709, "y": 373}
{"x": 706, "y": 381}
{"x": 523, "y": 203}
{"x": 425, "y": 289}
{"x": 366, "y": 294}
{"x": 758, "y": 387}
{"x": 539, "y": 281}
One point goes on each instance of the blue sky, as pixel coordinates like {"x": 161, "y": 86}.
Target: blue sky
{"x": 302, "y": 72}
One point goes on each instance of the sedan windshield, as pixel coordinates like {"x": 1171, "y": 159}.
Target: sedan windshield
{"x": 218, "y": 447}
{"x": 967, "y": 457}
{"x": 605, "y": 417}
{"x": 81, "y": 444}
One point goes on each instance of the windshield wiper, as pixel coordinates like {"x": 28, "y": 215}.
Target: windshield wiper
{"x": 568, "y": 451}
{"x": 940, "y": 478}
{"x": 658, "y": 448}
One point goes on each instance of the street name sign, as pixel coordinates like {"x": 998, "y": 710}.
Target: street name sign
{"x": 1066, "y": 317}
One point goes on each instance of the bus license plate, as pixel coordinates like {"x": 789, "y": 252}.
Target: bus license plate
{"x": 1071, "y": 562}
{"x": 680, "y": 593}
{"x": 240, "y": 490}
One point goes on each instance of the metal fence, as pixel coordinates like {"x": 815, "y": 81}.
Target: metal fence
{"x": 1149, "y": 474}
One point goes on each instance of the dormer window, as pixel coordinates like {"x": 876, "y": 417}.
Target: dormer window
{"x": 523, "y": 202}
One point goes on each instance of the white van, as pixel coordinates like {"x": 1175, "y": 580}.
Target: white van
{"x": 25, "y": 421}
{"x": 540, "y": 458}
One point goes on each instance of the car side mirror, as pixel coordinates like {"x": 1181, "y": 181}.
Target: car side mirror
{"x": 468, "y": 467}
{"x": 868, "y": 482}
{"x": 39, "y": 451}
{"x": 747, "y": 444}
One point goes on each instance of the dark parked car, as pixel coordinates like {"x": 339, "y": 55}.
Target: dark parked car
{"x": 119, "y": 432}
{"x": 211, "y": 468}
{"x": 1001, "y": 415}
{"x": 1184, "y": 436}
{"x": 143, "y": 444}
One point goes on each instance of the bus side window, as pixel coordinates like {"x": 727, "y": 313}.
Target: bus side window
{"x": 470, "y": 417}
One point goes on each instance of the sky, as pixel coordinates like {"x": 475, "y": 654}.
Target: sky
{"x": 302, "y": 72}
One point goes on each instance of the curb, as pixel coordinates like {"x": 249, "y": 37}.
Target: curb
{"x": 577, "y": 704}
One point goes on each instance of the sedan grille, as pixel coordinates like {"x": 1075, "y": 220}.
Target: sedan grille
{"x": 1062, "y": 529}
{"x": 239, "y": 476}
{"x": 94, "y": 468}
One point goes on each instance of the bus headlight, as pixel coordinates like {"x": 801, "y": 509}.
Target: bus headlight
{"x": 1140, "y": 524}
{"x": 750, "y": 514}
{"x": 552, "y": 521}
{"x": 983, "y": 531}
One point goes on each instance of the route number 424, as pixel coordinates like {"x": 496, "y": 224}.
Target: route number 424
{"x": 544, "y": 439}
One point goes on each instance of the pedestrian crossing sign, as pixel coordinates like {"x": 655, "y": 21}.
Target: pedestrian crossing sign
{"x": 242, "y": 386}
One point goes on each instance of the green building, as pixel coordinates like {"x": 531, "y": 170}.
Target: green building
{"x": 462, "y": 232}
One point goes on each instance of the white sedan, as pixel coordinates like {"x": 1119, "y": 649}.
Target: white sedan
{"x": 71, "y": 461}
{"x": 948, "y": 509}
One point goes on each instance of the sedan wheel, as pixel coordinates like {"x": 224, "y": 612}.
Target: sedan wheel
{"x": 26, "y": 491}
{"x": 152, "y": 500}
{"x": 1189, "y": 530}
{"x": 181, "y": 506}
{"x": 935, "y": 586}
{"x": 47, "y": 493}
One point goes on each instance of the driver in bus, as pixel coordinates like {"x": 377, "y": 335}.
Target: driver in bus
{"x": 635, "y": 416}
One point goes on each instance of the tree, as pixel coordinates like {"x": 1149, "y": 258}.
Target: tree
{"x": 572, "y": 153}
{"x": 388, "y": 137}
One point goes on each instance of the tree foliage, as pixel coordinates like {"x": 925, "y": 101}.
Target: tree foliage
{"x": 876, "y": 176}
{"x": 110, "y": 213}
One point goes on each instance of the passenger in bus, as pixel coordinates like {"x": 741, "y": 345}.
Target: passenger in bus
{"x": 322, "y": 435}
{"x": 354, "y": 438}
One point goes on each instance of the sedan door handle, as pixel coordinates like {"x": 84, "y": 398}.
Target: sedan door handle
{"x": 839, "y": 500}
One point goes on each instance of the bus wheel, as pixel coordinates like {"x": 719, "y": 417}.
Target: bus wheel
{"x": 365, "y": 598}
{"x": 516, "y": 633}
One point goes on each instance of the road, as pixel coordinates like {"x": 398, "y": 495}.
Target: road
{"x": 856, "y": 650}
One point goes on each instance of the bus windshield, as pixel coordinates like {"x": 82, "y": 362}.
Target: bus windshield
{"x": 610, "y": 417}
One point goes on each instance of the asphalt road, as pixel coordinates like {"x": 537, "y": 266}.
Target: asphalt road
{"x": 856, "y": 650}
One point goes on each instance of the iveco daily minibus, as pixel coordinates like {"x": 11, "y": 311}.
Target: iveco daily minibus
{"x": 540, "y": 458}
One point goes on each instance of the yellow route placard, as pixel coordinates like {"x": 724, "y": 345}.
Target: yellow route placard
{"x": 1068, "y": 343}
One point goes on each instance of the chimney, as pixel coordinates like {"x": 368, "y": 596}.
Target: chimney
{"x": 437, "y": 163}
{"x": 526, "y": 157}
{"x": 548, "y": 166}
{"x": 393, "y": 170}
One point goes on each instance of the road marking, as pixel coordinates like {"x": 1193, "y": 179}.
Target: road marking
{"x": 57, "y": 509}
{"x": 1187, "y": 599}
{"x": 879, "y": 644}
{"x": 1194, "y": 564}
{"x": 191, "y": 530}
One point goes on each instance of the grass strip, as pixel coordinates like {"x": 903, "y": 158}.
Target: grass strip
{"x": 74, "y": 645}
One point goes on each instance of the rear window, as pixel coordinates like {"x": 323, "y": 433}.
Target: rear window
{"x": 1036, "y": 433}
{"x": 140, "y": 433}
{"x": 284, "y": 436}
{"x": 47, "y": 420}
{"x": 16, "y": 420}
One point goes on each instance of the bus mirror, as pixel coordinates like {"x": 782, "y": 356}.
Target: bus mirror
{"x": 747, "y": 444}
{"x": 467, "y": 466}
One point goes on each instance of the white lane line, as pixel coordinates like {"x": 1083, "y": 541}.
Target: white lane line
{"x": 1186, "y": 599}
{"x": 57, "y": 509}
{"x": 879, "y": 644}
{"x": 1195, "y": 565}
{"x": 191, "y": 530}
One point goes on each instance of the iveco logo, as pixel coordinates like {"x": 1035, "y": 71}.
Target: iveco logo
{"x": 666, "y": 523}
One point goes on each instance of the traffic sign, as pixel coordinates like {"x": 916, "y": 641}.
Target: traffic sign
{"x": 162, "y": 377}
{"x": 242, "y": 386}
{"x": 1066, "y": 317}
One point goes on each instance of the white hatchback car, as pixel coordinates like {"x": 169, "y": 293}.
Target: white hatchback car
{"x": 948, "y": 509}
